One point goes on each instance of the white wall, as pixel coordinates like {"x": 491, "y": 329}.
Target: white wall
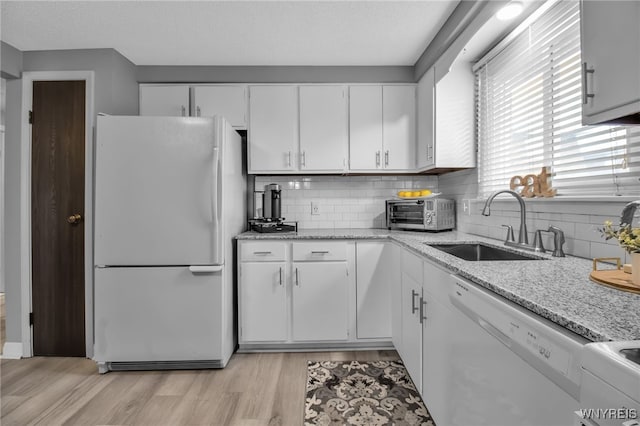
{"x": 578, "y": 219}
{"x": 344, "y": 201}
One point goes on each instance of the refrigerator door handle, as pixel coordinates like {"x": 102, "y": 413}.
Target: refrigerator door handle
{"x": 205, "y": 269}
{"x": 215, "y": 207}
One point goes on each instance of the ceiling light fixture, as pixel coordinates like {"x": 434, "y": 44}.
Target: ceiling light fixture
{"x": 510, "y": 11}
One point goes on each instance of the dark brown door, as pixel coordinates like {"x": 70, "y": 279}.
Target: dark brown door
{"x": 57, "y": 213}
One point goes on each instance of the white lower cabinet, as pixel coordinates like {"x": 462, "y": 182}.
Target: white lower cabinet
{"x": 377, "y": 274}
{"x": 410, "y": 348}
{"x": 436, "y": 338}
{"x": 320, "y": 301}
{"x": 264, "y": 301}
{"x": 423, "y": 339}
{"x": 303, "y": 294}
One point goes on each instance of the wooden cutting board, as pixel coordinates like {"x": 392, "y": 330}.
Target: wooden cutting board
{"x": 615, "y": 278}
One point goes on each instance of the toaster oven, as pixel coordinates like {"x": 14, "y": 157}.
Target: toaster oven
{"x": 435, "y": 214}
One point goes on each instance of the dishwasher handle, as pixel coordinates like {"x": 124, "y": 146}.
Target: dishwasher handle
{"x": 502, "y": 338}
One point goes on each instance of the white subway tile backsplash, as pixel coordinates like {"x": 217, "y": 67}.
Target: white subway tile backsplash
{"x": 580, "y": 248}
{"x": 344, "y": 201}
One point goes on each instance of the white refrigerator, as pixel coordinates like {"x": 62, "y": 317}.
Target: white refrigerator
{"x": 169, "y": 199}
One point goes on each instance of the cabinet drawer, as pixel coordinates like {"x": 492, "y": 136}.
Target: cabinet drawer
{"x": 262, "y": 251}
{"x": 412, "y": 265}
{"x": 320, "y": 250}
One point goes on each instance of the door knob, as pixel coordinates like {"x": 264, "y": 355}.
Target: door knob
{"x": 74, "y": 218}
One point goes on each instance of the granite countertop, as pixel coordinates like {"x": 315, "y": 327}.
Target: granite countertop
{"x": 558, "y": 289}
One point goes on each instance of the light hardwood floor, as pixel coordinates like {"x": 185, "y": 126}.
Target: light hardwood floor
{"x": 254, "y": 389}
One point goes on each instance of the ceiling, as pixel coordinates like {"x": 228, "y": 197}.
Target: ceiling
{"x": 300, "y": 32}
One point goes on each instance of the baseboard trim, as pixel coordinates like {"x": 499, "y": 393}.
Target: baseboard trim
{"x": 314, "y": 347}
{"x": 12, "y": 350}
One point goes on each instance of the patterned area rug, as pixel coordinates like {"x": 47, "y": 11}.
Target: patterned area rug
{"x": 362, "y": 393}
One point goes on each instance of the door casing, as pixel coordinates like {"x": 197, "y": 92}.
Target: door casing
{"x": 25, "y": 201}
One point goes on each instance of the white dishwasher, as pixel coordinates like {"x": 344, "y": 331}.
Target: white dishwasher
{"x": 509, "y": 366}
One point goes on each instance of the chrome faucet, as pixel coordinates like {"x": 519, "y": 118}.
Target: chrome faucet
{"x": 523, "y": 239}
{"x": 626, "y": 218}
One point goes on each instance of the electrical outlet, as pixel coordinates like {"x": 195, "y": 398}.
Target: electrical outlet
{"x": 466, "y": 207}
{"x": 315, "y": 208}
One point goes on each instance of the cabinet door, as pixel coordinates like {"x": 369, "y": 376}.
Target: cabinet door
{"x": 263, "y": 302}
{"x": 425, "y": 148}
{"x": 227, "y": 101}
{"x": 411, "y": 349}
{"x": 273, "y": 128}
{"x": 610, "y": 42}
{"x": 164, "y": 100}
{"x": 323, "y": 128}
{"x": 436, "y": 340}
{"x": 399, "y": 127}
{"x": 365, "y": 127}
{"x": 377, "y": 275}
{"x": 320, "y": 301}
{"x": 454, "y": 143}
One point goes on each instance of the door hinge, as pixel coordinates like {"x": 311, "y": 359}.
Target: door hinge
{"x": 30, "y": 318}
{"x": 30, "y": 117}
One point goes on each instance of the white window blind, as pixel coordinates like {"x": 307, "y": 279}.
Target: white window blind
{"x": 528, "y": 110}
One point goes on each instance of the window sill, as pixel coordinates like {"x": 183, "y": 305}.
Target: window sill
{"x": 573, "y": 199}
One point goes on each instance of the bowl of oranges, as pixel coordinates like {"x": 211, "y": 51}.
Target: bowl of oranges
{"x": 417, "y": 193}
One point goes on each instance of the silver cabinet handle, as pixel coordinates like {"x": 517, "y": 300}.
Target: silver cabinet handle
{"x": 281, "y": 275}
{"x": 585, "y": 91}
{"x": 414, "y": 308}
{"x": 297, "y": 282}
{"x": 262, "y": 252}
{"x": 423, "y": 306}
{"x": 378, "y": 158}
{"x": 184, "y": 110}
{"x": 386, "y": 158}
{"x": 430, "y": 152}
{"x": 320, "y": 252}
{"x": 303, "y": 159}
{"x": 197, "y": 111}
{"x": 289, "y": 159}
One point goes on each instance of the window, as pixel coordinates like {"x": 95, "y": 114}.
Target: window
{"x": 528, "y": 102}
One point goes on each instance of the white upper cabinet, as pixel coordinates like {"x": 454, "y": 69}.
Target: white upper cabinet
{"x": 610, "y": 41}
{"x": 446, "y": 138}
{"x": 164, "y": 100}
{"x": 327, "y": 129}
{"x": 273, "y": 129}
{"x": 426, "y": 136}
{"x": 323, "y": 128}
{"x": 365, "y": 128}
{"x": 381, "y": 128}
{"x": 227, "y": 101}
{"x": 184, "y": 100}
{"x": 399, "y": 127}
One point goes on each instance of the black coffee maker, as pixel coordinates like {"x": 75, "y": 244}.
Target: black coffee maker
{"x": 271, "y": 203}
{"x": 268, "y": 211}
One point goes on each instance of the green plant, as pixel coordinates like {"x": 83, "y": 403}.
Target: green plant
{"x": 628, "y": 237}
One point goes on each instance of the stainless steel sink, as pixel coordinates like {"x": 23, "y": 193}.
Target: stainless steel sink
{"x": 478, "y": 252}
